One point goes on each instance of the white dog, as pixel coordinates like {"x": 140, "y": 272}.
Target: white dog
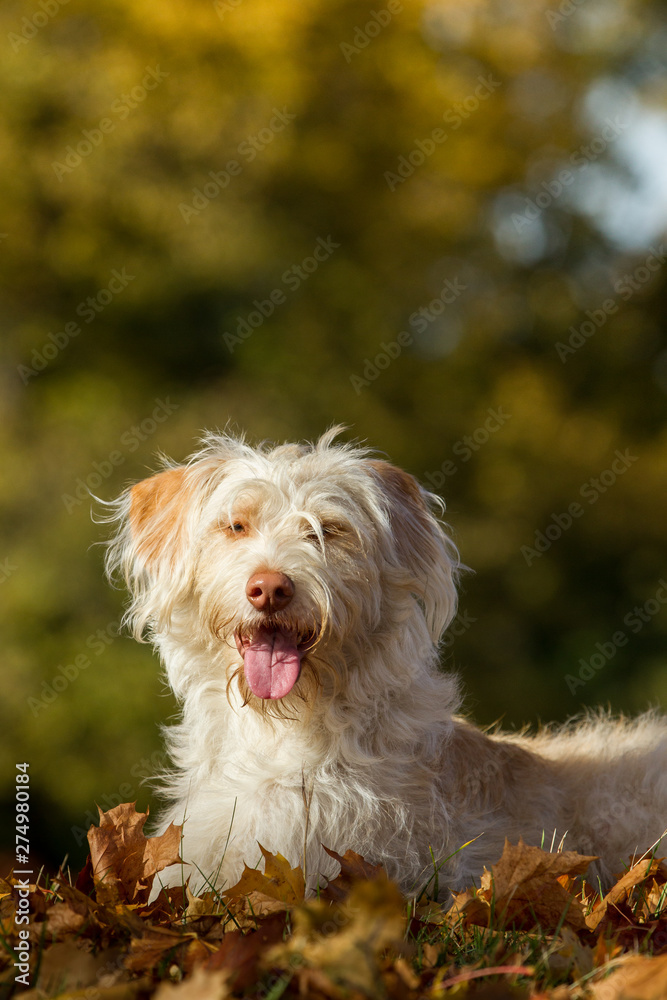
{"x": 297, "y": 595}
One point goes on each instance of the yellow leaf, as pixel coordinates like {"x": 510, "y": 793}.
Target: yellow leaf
{"x": 278, "y": 881}
{"x": 344, "y": 942}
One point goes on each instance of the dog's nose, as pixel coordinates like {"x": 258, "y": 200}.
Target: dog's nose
{"x": 269, "y": 591}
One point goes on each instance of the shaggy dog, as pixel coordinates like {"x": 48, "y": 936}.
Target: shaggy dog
{"x": 297, "y": 595}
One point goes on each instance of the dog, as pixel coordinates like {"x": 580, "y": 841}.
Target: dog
{"x": 297, "y": 595}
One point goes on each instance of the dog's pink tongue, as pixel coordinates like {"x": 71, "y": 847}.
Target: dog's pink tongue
{"x": 272, "y": 663}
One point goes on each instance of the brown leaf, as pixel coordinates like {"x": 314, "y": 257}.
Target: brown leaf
{"x": 353, "y": 868}
{"x": 196, "y": 953}
{"x": 62, "y": 920}
{"x": 168, "y": 905}
{"x": 201, "y": 985}
{"x": 522, "y": 889}
{"x": 279, "y": 881}
{"x": 636, "y": 978}
{"x": 84, "y": 880}
{"x": 148, "y": 951}
{"x": 240, "y": 954}
{"x": 71, "y": 911}
{"x": 124, "y": 861}
{"x": 344, "y": 942}
{"x": 5, "y": 889}
{"x": 569, "y": 955}
{"x": 68, "y": 966}
{"x": 639, "y": 872}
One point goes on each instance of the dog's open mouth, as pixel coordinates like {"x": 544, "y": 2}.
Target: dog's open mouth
{"x": 272, "y": 659}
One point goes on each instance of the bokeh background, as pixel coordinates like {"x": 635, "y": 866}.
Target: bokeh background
{"x": 485, "y": 183}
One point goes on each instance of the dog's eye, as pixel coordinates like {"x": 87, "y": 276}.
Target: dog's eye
{"x": 328, "y": 531}
{"x": 236, "y": 529}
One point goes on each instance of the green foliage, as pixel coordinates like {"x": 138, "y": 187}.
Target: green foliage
{"x": 177, "y": 164}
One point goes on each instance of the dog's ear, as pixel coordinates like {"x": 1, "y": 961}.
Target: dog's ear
{"x": 157, "y": 516}
{"x": 421, "y": 544}
{"x": 152, "y": 549}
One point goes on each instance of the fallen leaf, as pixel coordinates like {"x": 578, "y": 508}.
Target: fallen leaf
{"x": 428, "y": 911}
{"x": 62, "y": 920}
{"x": 639, "y": 872}
{"x": 344, "y": 942}
{"x": 124, "y": 861}
{"x": 278, "y": 881}
{"x": 201, "y": 985}
{"x": 5, "y": 889}
{"x": 406, "y": 973}
{"x": 430, "y": 954}
{"x": 636, "y": 978}
{"x": 522, "y": 890}
{"x": 353, "y": 868}
{"x": 200, "y": 906}
{"x": 121, "y": 991}
{"x": 84, "y": 880}
{"x": 66, "y": 967}
{"x": 155, "y": 945}
{"x": 240, "y": 954}
{"x": 568, "y": 954}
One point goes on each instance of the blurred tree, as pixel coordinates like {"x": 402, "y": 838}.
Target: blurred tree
{"x": 440, "y": 223}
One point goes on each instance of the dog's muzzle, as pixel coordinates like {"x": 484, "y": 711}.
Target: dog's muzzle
{"x": 272, "y": 653}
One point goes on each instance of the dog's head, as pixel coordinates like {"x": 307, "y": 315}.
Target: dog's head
{"x": 285, "y": 557}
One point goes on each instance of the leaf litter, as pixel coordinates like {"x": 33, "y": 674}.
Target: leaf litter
{"x": 533, "y": 928}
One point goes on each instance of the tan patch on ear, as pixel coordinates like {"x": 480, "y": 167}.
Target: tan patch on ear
{"x": 156, "y": 513}
{"x": 398, "y": 481}
{"x": 410, "y": 516}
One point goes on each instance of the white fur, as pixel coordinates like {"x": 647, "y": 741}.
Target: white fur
{"x": 366, "y": 752}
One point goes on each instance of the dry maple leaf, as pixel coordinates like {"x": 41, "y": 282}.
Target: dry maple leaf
{"x": 147, "y": 951}
{"x": 522, "y": 889}
{"x": 344, "y": 943}
{"x": 240, "y": 954}
{"x": 124, "y": 860}
{"x": 636, "y": 978}
{"x": 604, "y": 911}
{"x": 353, "y": 868}
{"x": 278, "y": 881}
{"x": 568, "y": 954}
{"x": 66, "y": 968}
